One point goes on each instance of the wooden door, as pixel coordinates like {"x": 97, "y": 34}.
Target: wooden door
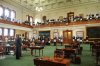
{"x": 67, "y": 37}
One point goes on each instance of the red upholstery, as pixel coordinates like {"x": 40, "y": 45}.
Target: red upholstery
{"x": 1, "y": 50}
{"x": 59, "y": 53}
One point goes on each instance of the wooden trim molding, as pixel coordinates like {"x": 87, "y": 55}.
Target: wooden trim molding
{"x": 94, "y": 21}
{"x": 51, "y": 24}
{"x": 14, "y": 23}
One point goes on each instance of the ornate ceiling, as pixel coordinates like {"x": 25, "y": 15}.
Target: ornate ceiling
{"x": 45, "y": 3}
{"x": 48, "y": 4}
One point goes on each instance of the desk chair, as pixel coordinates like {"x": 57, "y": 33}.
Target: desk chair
{"x": 2, "y": 50}
{"x": 59, "y": 53}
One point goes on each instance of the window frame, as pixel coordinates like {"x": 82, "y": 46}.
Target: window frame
{"x": 3, "y": 10}
{"x": 10, "y": 32}
{"x": 1, "y": 31}
{"x": 11, "y": 15}
{"x": 6, "y": 32}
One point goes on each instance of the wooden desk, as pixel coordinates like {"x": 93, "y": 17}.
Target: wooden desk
{"x": 1, "y": 51}
{"x": 36, "y": 48}
{"x": 69, "y": 51}
{"x": 51, "y": 62}
{"x": 8, "y": 49}
{"x": 89, "y": 42}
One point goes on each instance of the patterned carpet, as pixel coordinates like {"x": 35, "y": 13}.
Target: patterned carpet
{"x": 27, "y": 60}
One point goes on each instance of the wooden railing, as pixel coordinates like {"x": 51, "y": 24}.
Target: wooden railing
{"x": 50, "y": 25}
{"x": 53, "y": 24}
{"x": 85, "y": 22}
{"x": 14, "y": 23}
{"x": 67, "y": 24}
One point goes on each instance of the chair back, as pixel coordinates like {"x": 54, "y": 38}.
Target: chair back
{"x": 59, "y": 53}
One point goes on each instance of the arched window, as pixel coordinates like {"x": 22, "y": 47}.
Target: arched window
{"x": 7, "y": 12}
{"x": 5, "y": 32}
{"x": 13, "y": 14}
{"x": 27, "y": 17}
{"x": 0, "y": 31}
{"x": 11, "y": 32}
{"x": 1, "y": 11}
{"x": 31, "y": 20}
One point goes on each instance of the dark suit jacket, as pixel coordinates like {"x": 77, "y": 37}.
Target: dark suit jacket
{"x": 18, "y": 42}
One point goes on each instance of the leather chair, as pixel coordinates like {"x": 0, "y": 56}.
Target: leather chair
{"x": 97, "y": 54}
{"x": 2, "y": 51}
{"x": 41, "y": 62}
{"x": 59, "y": 53}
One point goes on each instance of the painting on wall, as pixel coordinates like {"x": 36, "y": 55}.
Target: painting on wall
{"x": 79, "y": 34}
{"x": 44, "y": 19}
{"x": 70, "y": 16}
{"x": 45, "y": 34}
{"x": 34, "y": 31}
{"x": 56, "y": 35}
{"x": 35, "y": 34}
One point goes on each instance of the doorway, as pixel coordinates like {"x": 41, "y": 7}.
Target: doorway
{"x": 67, "y": 34}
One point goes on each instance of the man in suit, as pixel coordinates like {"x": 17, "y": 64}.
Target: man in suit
{"x": 18, "y": 43}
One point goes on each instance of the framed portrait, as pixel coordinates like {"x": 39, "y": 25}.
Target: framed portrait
{"x": 56, "y": 33}
{"x": 34, "y": 32}
{"x": 70, "y": 16}
{"x": 79, "y": 34}
{"x": 55, "y": 30}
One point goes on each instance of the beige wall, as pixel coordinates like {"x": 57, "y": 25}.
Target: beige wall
{"x": 79, "y": 29}
{"x": 61, "y": 29}
{"x": 21, "y": 12}
{"x": 20, "y": 32}
{"x": 85, "y": 7}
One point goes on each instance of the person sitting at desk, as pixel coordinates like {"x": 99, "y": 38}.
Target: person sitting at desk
{"x": 61, "y": 41}
{"x": 87, "y": 38}
{"x": 54, "y": 41}
{"x": 1, "y": 51}
{"x": 32, "y": 44}
{"x": 14, "y": 49}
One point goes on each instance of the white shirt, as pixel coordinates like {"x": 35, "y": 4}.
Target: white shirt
{"x": 54, "y": 40}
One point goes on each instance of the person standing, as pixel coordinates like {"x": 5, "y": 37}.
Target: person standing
{"x": 61, "y": 41}
{"x": 54, "y": 41}
{"x": 18, "y": 43}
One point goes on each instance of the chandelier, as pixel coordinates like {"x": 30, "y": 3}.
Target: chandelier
{"x": 39, "y": 7}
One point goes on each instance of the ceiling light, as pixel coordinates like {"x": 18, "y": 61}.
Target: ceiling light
{"x": 39, "y": 7}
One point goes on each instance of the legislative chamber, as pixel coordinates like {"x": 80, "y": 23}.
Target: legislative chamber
{"x": 49, "y": 33}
